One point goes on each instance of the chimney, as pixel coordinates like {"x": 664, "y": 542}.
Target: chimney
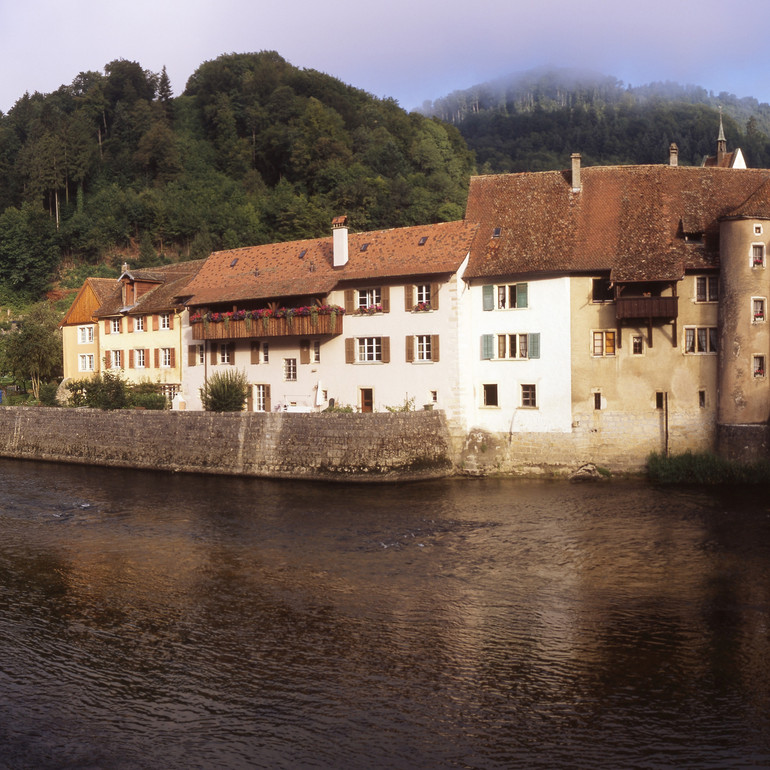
{"x": 673, "y": 154}
{"x": 576, "y": 186}
{"x": 340, "y": 240}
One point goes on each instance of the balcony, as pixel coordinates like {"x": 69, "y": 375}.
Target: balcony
{"x": 282, "y": 323}
{"x": 647, "y": 308}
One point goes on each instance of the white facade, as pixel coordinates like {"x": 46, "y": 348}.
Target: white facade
{"x": 518, "y": 373}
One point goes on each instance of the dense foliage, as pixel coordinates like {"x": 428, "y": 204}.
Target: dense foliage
{"x": 534, "y": 122}
{"x": 225, "y": 391}
{"x": 255, "y": 150}
{"x": 705, "y": 468}
{"x": 108, "y": 390}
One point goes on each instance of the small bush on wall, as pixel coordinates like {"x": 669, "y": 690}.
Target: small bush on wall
{"x": 225, "y": 391}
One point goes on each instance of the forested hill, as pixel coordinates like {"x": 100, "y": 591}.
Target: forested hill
{"x": 254, "y": 150}
{"x": 535, "y": 120}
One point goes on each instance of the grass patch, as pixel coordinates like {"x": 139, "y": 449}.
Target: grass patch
{"x": 705, "y": 468}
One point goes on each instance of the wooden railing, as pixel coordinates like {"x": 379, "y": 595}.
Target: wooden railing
{"x": 664, "y": 308}
{"x": 303, "y": 326}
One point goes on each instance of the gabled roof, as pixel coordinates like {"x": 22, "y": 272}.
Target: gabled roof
{"x": 170, "y": 279}
{"x": 305, "y": 268}
{"x": 627, "y": 220}
{"x": 91, "y": 295}
{"x": 757, "y": 206}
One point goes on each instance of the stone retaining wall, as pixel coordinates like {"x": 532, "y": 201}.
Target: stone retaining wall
{"x": 340, "y": 446}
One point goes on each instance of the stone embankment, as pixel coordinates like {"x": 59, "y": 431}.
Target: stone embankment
{"x": 333, "y": 446}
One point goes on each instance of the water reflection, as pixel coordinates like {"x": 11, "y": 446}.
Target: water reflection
{"x": 150, "y": 620}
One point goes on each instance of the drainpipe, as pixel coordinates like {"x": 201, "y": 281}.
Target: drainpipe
{"x": 665, "y": 405}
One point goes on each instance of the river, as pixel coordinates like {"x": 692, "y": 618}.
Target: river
{"x": 151, "y": 620}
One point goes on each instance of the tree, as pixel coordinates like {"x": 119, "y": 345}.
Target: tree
{"x": 34, "y": 350}
{"x": 225, "y": 391}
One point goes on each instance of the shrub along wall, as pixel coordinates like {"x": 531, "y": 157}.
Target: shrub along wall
{"x": 360, "y": 447}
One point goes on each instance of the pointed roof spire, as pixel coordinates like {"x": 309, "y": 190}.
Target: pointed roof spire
{"x": 721, "y": 141}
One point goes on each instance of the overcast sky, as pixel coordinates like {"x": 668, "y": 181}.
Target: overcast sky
{"x": 411, "y": 50}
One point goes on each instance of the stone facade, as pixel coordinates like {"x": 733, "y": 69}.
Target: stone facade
{"x": 334, "y": 446}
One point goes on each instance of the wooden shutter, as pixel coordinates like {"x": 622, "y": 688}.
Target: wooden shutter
{"x": 386, "y": 350}
{"x": 488, "y": 297}
{"x": 434, "y": 288}
{"x": 487, "y": 347}
{"x": 157, "y": 358}
{"x": 385, "y": 299}
{"x": 521, "y": 295}
{"x": 304, "y": 351}
{"x": 268, "y": 403}
{"x": 254, "y": 352}
{"x": 171, "y": 319}
{"x": 409, "y": 348}
{"x": 231, "y": 351}
{"x": 130, "y": 323}
{"x": 250, "y": 399}
{"x": 350, "y": 350}
{"x": 131, "y": 359}
{"x": 107, "y": 359}
{"x": 107, "y": 326}
{"x": 192, "y": 355}
{"x": 409, "y": 298}
{"x": 155, "y": 322}
{"x": 434, "y": 347}
{"x": 172, "y": 357}
{"x": 350, "y": 300}
{"x": 533, "y": 345}
{"x": 213, "y": 358}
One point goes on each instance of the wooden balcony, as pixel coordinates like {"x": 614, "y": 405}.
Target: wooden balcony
{"x": 258, "y": 328}
{"x": 647, "y": 308}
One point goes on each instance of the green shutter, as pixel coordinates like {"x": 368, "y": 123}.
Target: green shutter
{"x": 487, "y": 347}
{"x": 533, "y": 344}
{"x": 521, "y": 295}
{"x": 488, "y": 293}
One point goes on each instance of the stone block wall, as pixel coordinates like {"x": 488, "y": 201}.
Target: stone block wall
{"x": 358, "y": 447}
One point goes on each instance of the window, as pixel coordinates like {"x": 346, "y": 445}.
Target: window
{"x": 757, "y": 229}
{"x": 702, "y": 399}
{"x": 490, "y": 395}
{"x": 115, "y": 325}
{"x": 116, "y": 359}
{"x": 195, "y": 355}
{"x": 370, "y": 348}
{"x": 757, "y": 255}
{"x": 702, "y": 339}
{"x": 139, "y": 323}
{"x": 604, "y": 344}
{"x": 225, "y": 356}
{"x": 422, "y": 293}
{"x": 706, "y": 288}
{"x": 290, "y": 369}
{"x": 423, "y": 347}
{"x": 601, "y": 290}
{"x": 139, "y": 358}
{"x": 166, "y": 358}
{"x": 434, "y": 396}
{"x": 85, "y": 335}
{"x": 510, "y": 346}
{"x": 369, "y": 299}
{"x": 758, "y": 366}
{"x": 85, "y": 362}
{"x": 265, "y": 352}
{"x": 316, "y": 351}
{"x": 165, "y": 320}
{"x": 505, "y": 296}
{"x": 637, "y": 345}
{"x": 261, "y": 398}
{"x": 529, "y": 396}
{"x": 597, "y": 401}
{"x": 758, "y": 309}
{"x": 660, "y": 399}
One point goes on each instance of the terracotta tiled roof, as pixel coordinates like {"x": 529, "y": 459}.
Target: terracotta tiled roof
{"x": 757, "y": 206}
{"x": 171, "y": 281}
{"x": 628, "y": 220}
{"x": 303, "y": 268}
{"x": 726, "y": 160}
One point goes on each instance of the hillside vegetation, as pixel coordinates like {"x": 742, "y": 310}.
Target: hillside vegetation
{"x": 254, "y": 150}
{"x": 534, "y": 121}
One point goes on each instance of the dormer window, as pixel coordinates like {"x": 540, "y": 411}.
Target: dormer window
{"x": 234, "y": 262}
{"x": 423, "y": 240}
{"x": 497, "y": 232}
{"x": 364, "y": 246}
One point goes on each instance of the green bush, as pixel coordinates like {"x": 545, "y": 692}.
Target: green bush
{"x": 148, "y": 400}
{"x": 48, "y": 394}
{"x": 107, "y": 390}
{"x": 705, "y": 468}
{"x": 225, "y": 391}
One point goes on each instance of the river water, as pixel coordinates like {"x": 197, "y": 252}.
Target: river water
{"x": 166, "y": 621}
